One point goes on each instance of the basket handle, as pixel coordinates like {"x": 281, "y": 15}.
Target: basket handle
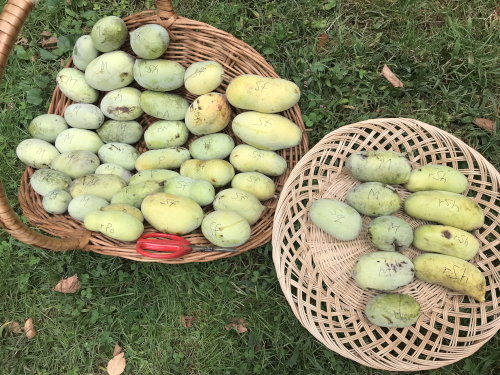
{"x": 12, "y": 19}
{"x": 166, "y": 10}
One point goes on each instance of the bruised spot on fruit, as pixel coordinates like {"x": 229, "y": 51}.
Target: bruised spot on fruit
{"x": 446, "y": 234}
{"x": 123, "y": 109}
{"x": 388, "y": 319}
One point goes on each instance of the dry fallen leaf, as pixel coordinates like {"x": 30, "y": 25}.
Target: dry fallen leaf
{"x": 239, "y": 324}
{"x": 69, "y": 285}
{"x": 46, "y": 33}
{"x": 15, "y": 327}
{"x": 485, "y": 124}
{"x": 186, "y": 321}
{"x": 49, "y": 42}
{"x": 33, "y": 58}
{"x": 21, "y": 41}
{"x": 29, "y": 328}
{"x": 323, "y": 38}
{"x": 496, "y": 12}
{"x": 116, "y": 366}
{"x": 389, "y": 75}
{"x": 118, "y": 350}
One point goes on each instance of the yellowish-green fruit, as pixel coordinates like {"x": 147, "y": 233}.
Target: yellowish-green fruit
{"x": 164, "y": 106}
{"x": 109, "y": 33}
{"x": 392, "y": 310}
{"x": 388, "y": 167}
{"x": 110, "y": 71}
{"x": 266, "y": 131}
{"x": 243, "y": 203}
{"x": 80, "y": 206}
{"x": 159, "y": 75}
{"x": 437, "y": 177}
{"x": 36, "y": 153}
{"x": 246, "y": 158}
{"x": 120, "y": 131}
{"x": 262, "y": 94}
{"x": 122, "y": 154}
{"x": 446, "y": 240}
{"x": 446, "y": 208}
{"x": 46, "y": 180}
{"x": 168, "y": 213}
{"x": 122, "y": 104}
{"x": 74, "y": 139}
{"x": 74, "y": 85}
{"x": 131, "y": 210}
{"x": 101, "y": 185}
{"x": 76, "y": 163}
{"x": 203, "y": 77}
{"x": 115, "y": 224}
{"x": 202, "y": 192}
{"x": 255, "y": 183}
{"x": 209, "y": 113}
{"x": 336, "y": 218}
{"x": 390, "y": 233}
{"x": 225, "y": 229}
{"x": 217, "y": 172}
{"x": 212, "y": 146}
{"x": 451, "y": 272}
{"x": 135, "y": 194}
{"x": 167, "y": 158}
{"x": 158, "y": 175}
{"x": 83, "y": 116}
{"x": 149, "y": 41}
{"x": 373, "y": 199}
{"x": 110, "y": 168}
{"x": 84, "y": 52}
{"x": 383, "y": 271}
{"x": 47, "y": 127}
{"x": 56, "y": 201}
{"x": 164, "y": 134}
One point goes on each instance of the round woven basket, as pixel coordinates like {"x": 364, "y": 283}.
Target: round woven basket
{"x": 314, "y": 268}
{"x": 190, "y": 41}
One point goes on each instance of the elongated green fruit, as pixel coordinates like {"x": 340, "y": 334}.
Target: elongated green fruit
{"x": 388, "y": 167}
{"x": 392, "y": 310}
{"x": 437, "y": 177}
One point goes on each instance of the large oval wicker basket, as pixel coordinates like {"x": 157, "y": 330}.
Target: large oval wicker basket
{"x": 314, "y": 269}
{"x": 191, "y": 41}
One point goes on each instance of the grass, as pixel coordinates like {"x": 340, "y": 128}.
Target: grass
{"x": 446, "y": 52}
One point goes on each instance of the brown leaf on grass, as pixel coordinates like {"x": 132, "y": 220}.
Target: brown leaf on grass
{"x": 496, "y": 12}
{"x": 116, "y": 366}
{"x": 68, "y": 2}
{"x": 21, "y": 41}
{"x": 118, "y": 350}
{"x": 49, "y": 42}
{"x": 62, "y": 63}
{"x": 29, "y": 328}
{"x": 391, "y": 77}
{"x": 239, "y": 324}
{"x": 323, "y": 38}
{"x": 485, "y": 124}
{"x": 69, "y": 285}
{"x": 15, "y": 327}
{"x": 46, "y": 34}
{"x": 187, "y": 321}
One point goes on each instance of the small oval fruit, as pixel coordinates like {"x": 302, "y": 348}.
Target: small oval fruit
{"x": 122, "y": 104}
{"x": 120, "y": 131}
{"x": 383, "y": 271}
{"x": 243, "y": 203}
{"x": 217, "y": 172}
{"x": 388, "y": 167}
{"x": 164, "y": 134}
{"x": 158, "y": 175}
{"x": 74, "y": 85}
{"x": 115, "y": 224}
{"x": 47, "y": 127}
{"x": 246, "y": 158}
{"x": 122, "y": 154}
{"x": 446, "y": 240}
{"x": 131, "y": 210}
{"x": 80, "y": 206}
{"x": 166, "y": 158}
{"x": 45, "y": 180}
{"x": 336, "y": 218}
{"x": 159, "y": 75}
{"x": 74, "y": 139}
{"x": 149, "y": 41}
{"x": 36, "y": 153}
{"x": 83, "y": 116}
{"x": 101, "y": 185}
{"x": 392, "y": 310}
{"x": 373, "y": 199}
{"x": 56, "y": 201}
{"x": 390, "y": 233}
{"x": 134, "y": 195}
{"x": 84, "y": 52}
{"x": 437, "y": 177}
{"x": 76, "y": 163}
{"x": 446, "y": 208}
{"x": 212, "y": 146}
{"x": 110, "y": 71}
{"x": 225, "y": 229}
{"x": 109, "y": 33}
{"x": 203, "y": 77}
{"x": 202, "y": 192}
{"x": 163, "y": 105}
{"x": 256, "y": 183}
{"x": 209, "y": 113}
{"x": 110, "y": 168}
{"x": 262, "y": 94}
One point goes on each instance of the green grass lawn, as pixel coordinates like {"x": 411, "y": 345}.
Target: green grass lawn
{"x": 447, "y": 53}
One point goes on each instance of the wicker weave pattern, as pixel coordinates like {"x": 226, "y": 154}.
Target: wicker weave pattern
{"x": 314, "y": 268}
{"x": 191, "y": 41}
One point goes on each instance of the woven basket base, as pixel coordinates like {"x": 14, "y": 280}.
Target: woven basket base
{"x": 314, "y": 268}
